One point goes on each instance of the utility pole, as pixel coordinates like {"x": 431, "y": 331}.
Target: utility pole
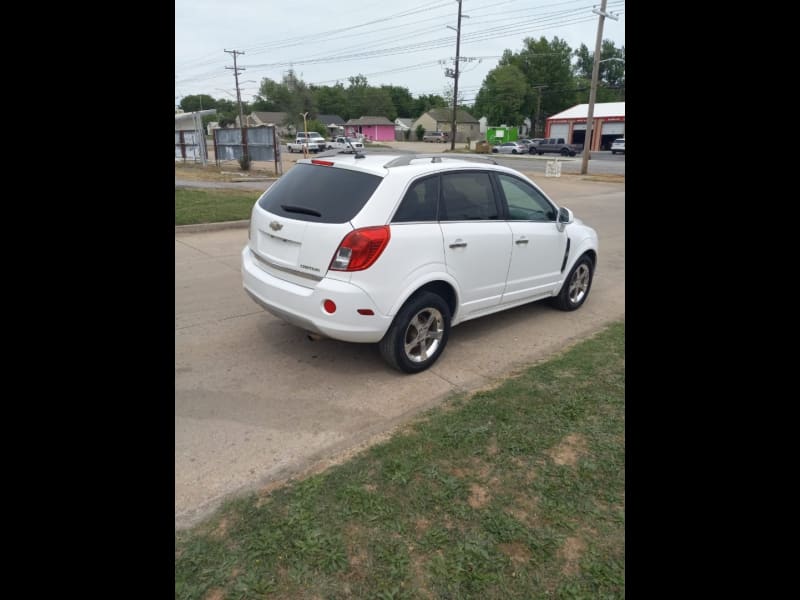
{"x": 242, "y": 123}
{"x": 587, "y": 145}
{"x": 538, "y": 89}
{"x": 455, "y": 80}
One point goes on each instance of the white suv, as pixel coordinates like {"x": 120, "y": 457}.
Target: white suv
{"x": 396, "y": 250}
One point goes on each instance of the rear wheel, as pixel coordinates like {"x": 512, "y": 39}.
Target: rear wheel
{"x": 577, "y": 285}
{"x": 564, "y": 152}
{"x": 418, "y": 334}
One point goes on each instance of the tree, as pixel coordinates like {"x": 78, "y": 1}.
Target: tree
{"x": 291, "y": 96}
{"x": 501, "y": 98}
{"x": 420, "y": 132}
{"x": 364, "y": 100}
{"x": 331, "y": 100}
{"x": 547, "y": 74}
{"x": 611, "y": 74}
{"x": 197, "y": 102}
{"x": 401, "y": 99}
{"x": 424, "y": 102}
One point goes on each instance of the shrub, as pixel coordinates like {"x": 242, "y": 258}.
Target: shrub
{"x": 420, "y": 132}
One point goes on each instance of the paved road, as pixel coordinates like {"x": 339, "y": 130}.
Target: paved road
{"x": 256, "y": 402}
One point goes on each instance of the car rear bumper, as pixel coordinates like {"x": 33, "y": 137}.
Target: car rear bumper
{"x": 303, "y": 306}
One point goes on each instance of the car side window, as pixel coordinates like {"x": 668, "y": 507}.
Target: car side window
{"x": 420, "y": 202}
{"x": 525, "y": 203}
{"x": 467, "y": 196}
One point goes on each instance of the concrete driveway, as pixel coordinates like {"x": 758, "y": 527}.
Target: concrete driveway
{"x": 256, "y": 402}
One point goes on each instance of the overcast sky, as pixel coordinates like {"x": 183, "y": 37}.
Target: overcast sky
{"x": 397, "y": 43}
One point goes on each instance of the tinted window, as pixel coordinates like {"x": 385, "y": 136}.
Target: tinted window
{"x": 525, "y": 203}
{"x": 319, "y": 194}
{"x": 467, "y": 196}
{"x": 420, "y": 201}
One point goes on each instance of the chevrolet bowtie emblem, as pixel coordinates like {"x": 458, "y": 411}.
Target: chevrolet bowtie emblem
{"x": 275, "y": 226}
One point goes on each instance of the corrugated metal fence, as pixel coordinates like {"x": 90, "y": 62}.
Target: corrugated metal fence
{"x": 260, "y": 144}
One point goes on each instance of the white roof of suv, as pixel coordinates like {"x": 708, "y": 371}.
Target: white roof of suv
{"x": 379, "y": 164}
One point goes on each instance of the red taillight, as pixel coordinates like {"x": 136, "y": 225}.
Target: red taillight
{"x": 324, "y": 163}
{"x": 360, "y": 248}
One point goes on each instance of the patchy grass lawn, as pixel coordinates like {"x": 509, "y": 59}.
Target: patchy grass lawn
{"x": 213, "y": 206}
{"x": 517, "y": 492}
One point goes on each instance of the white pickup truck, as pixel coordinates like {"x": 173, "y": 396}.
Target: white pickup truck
{"x": 345, "y": 144}
{"x": 311, "y": 144}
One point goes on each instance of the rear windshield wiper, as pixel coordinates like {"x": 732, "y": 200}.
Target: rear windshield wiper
{"x": 301, "y": 209}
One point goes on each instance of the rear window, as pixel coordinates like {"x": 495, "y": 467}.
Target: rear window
{"x": 319, "y": 194}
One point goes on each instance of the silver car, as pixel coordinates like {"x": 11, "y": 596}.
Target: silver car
{"x": 510, "y": 148}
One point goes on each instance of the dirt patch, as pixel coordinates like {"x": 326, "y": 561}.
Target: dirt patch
{"x": 214, "y": 594}
{"x": 571, "y": 552}
{"x": 516, "y": 551}
{"x": 221, "y": 530}
{"x": 481, "y": 468}
{"x": 568, "y": 450}
{"x": 524, "y": 510}
{"x": 422, "y": 525}
{"x": 370, "y": 487}
{"x": 492, "y": 448}
{"x": 478, "y": 496}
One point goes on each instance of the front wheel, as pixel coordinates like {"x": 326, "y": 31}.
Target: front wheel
{"x": 418, "y": 334}
{"x": 577, "y": 285}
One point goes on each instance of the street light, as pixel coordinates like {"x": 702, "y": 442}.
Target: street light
{"x": 305, "y": 128}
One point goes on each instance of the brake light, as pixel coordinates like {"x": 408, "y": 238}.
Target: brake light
{"x": 360, "y": 249}
{"x": 324, "y": 163}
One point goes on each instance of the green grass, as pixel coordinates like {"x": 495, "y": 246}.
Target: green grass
{"x": 213, "y": 206}
{"x": 517, "y": 492}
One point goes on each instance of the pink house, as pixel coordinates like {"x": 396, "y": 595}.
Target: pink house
{"x": 374, "y": 129}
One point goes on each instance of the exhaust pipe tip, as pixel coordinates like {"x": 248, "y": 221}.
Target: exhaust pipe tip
{"x": 314, "y": 337}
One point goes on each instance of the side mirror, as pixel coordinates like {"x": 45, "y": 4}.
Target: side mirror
{"x": 565, "y": 217}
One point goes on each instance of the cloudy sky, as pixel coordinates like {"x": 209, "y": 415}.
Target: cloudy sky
{"x": 399, "y": 43}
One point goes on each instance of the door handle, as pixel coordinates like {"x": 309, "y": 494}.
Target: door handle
{"x": 521, "y": 241}
{"x": 459, "y": 243}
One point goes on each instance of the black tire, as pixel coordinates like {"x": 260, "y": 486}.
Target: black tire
{"x": 576, "y": 286}
{"x": 418, "y": 334}
{"x": 494, "y": 150}
{"x": 513, "y": 151}
{"x": 613, "y": 151}
{"x": 565, "y": 152}
{"x": 539, "y": 152}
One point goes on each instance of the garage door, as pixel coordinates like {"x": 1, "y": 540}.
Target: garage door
{"x": 615, "y": 128}
{"x": 559, "y": 131}
{"x": 579, "y": 127}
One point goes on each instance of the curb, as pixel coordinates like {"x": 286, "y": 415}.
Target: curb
{"x": 212, "y": 226}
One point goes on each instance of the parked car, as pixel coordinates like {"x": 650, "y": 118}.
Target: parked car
{"x": 618, "y": 146}
{"x": 345, "y": 144}
{"x": 557, "y": 145}
{"x": 510, "y": 148}
{"x": 436, "y": 136}
{"x": 533, "y": 144}
{"x": 526, "y": 142}
{"x": 400, "y": 249}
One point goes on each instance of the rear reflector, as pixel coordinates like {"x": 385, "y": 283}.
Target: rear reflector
{"x": 365, "y": 311}
{"x": 329, "y": 306}
{"x": 324, "y": 163}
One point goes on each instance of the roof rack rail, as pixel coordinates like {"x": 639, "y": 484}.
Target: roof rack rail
{"x": 402, "y": 161}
